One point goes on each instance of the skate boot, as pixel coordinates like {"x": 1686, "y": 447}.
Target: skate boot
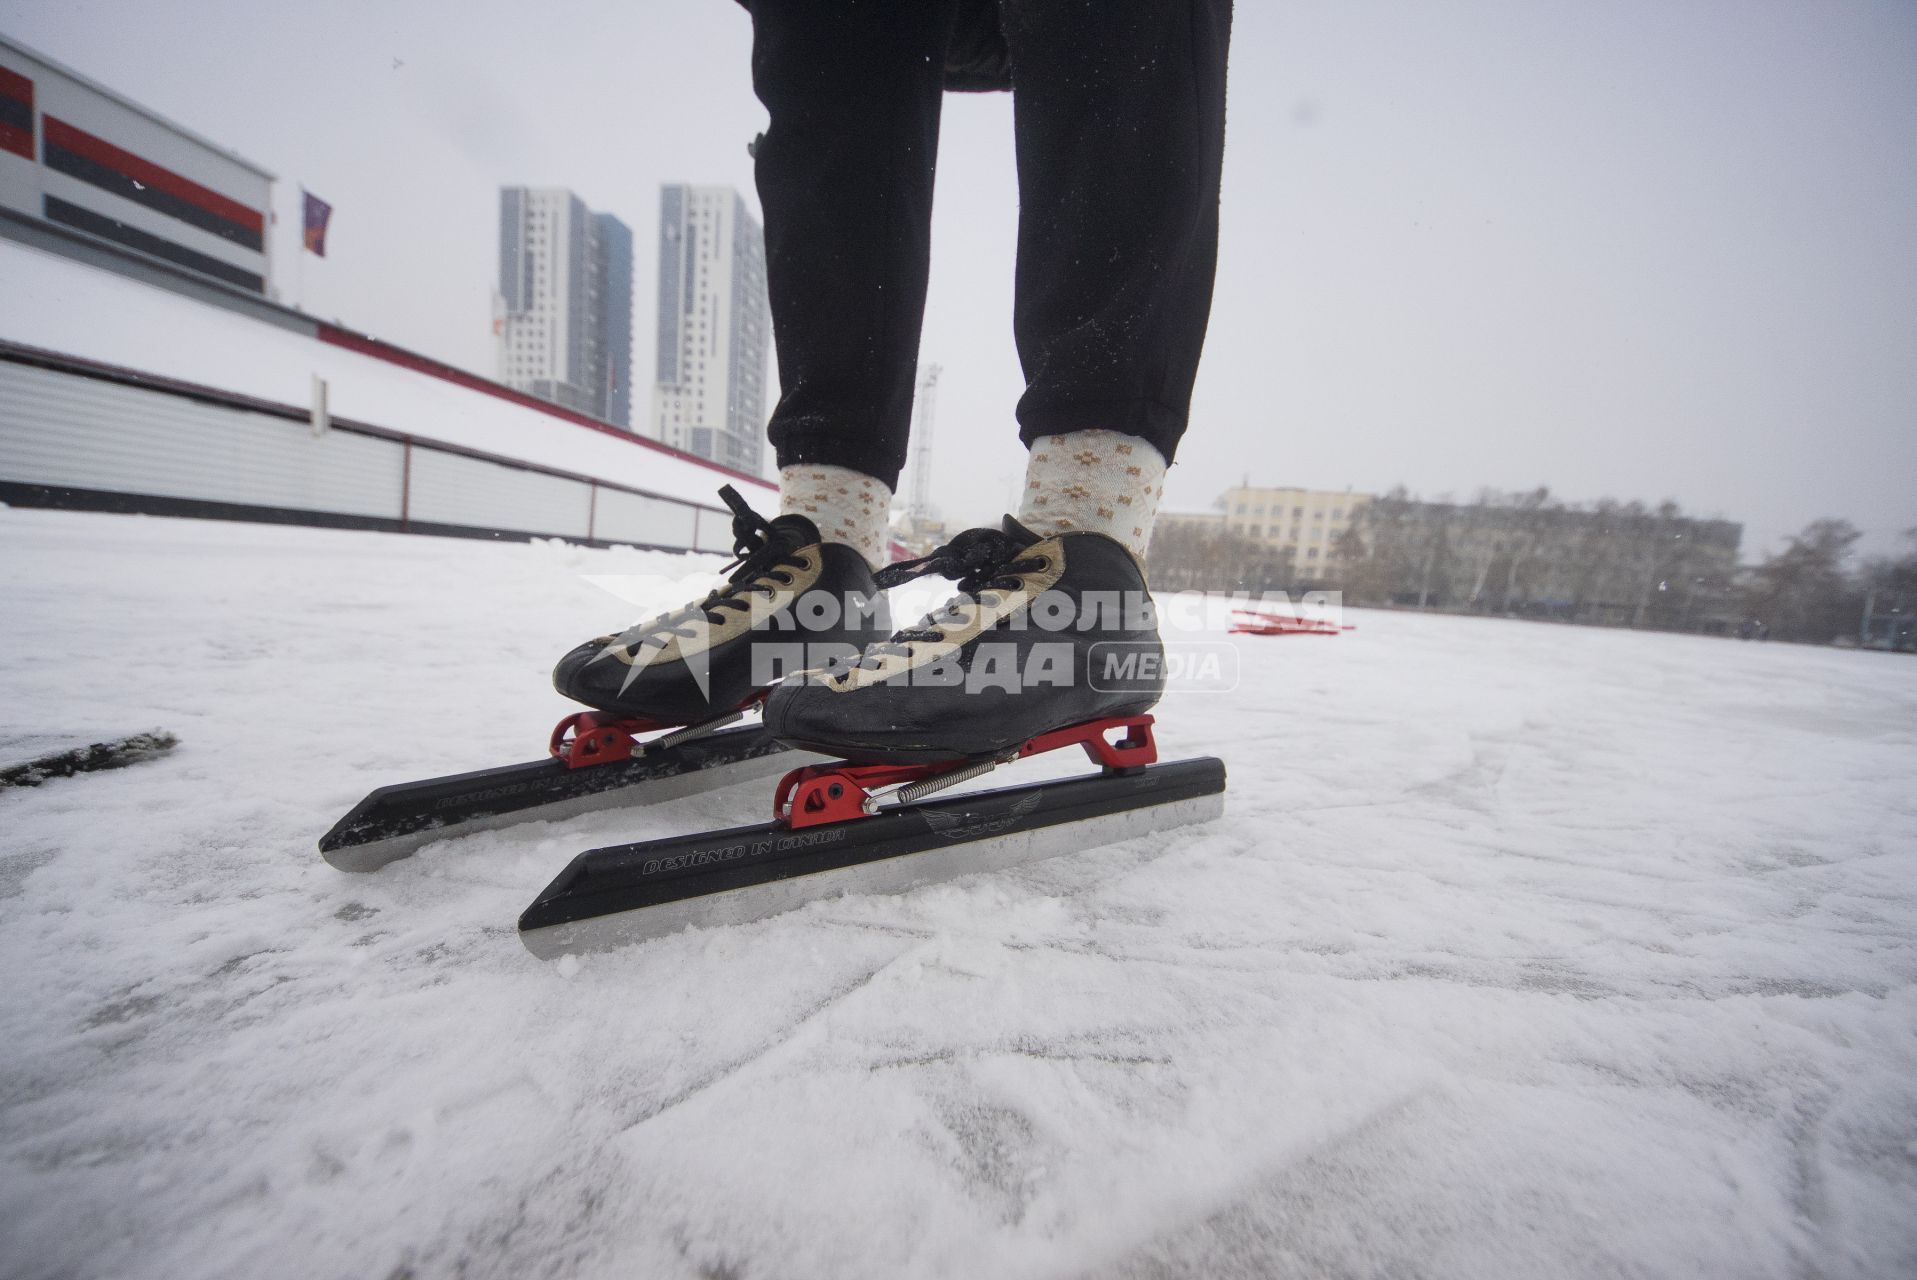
{"x": 1045, "y": 633}
{"x": 790, "y": 602}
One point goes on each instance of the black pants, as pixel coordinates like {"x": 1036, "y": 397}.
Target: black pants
{"x": 1119, "y": 109}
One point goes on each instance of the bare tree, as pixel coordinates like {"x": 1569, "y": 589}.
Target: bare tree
{"x": 1803, "y": 591}
{"x": 1531, "y": 519}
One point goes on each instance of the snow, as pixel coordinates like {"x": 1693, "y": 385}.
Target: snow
{"x": 60, "y": 305}
{"x": 1521, "y": 951}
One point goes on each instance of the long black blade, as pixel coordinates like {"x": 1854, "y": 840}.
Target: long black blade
{"x": 744, "y": 873}
{"x": 393, "y": 821}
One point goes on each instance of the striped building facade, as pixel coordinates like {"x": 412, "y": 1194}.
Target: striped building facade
{"x": 78, "y": 155}
{"x": 715, "y": 321}
{"x": 564, "y": 306}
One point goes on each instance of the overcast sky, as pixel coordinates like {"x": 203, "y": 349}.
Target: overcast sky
{"x": 1641, "y": 249}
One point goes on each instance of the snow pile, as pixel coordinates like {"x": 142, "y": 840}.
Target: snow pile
{"x": 1521, "y": 951}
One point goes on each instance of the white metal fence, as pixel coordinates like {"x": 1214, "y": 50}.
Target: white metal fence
{"x": 74, "y": 435}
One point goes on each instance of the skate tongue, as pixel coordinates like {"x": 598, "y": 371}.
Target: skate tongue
{"x": 801, "y": 531}
{"x": 752, "y": 532}
{"x": 1025, "y": 536}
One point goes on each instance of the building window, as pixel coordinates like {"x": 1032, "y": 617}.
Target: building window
{"x": 1311, "y": 553}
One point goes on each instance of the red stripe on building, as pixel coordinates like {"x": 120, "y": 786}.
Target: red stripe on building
{"x": 368, "y": 346}
{"x": 14, "y": 137}
{"x": 60, "y": 133}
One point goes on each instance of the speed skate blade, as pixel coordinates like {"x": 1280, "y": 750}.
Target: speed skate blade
{"x": 394, "y": 821}
{"x": 628, "y": 893}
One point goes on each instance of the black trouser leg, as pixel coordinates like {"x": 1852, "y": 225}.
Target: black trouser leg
{"x": 1120, "y": 110}
{"x": 845, "y": 179}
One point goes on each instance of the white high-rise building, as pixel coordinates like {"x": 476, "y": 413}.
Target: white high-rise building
{"x": 708, "y": 396}
{"x": 564, "y": 317}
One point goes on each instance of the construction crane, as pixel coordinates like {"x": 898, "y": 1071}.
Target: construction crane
{"x": 919, "y": 510}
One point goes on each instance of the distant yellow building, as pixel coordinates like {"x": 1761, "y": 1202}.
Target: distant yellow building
{"x": 1211, "y": 522}
{"x": 1308, "y": 521}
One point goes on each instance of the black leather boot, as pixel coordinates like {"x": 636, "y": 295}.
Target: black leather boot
{"x": 790, "y": 602}
{"x": 1045, "y": 633}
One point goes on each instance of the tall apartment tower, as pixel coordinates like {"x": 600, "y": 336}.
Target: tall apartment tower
{"x": 564, "y": 318}
{"x": 708, "y": 397}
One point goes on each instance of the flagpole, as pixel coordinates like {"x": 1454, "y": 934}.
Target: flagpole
{"x": 299, "y": 303}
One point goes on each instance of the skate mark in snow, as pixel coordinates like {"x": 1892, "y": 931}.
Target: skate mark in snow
{"x": 779, "y": 1038}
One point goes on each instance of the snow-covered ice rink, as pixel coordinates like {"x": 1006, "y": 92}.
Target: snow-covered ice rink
{"x": 1522, "y": 951}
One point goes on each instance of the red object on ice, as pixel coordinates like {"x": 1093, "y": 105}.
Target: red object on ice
{"x": 822, "y": 793}
{"x": 1279, "y": 624}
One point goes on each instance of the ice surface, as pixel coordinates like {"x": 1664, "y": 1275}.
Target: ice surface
{"x": 1522, "y": 951}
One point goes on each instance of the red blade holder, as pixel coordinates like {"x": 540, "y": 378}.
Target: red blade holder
{"x": 598, "y": 737}
{"x": 822, "y": 793}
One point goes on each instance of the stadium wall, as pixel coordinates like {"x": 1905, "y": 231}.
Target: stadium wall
{"x": 128, "y": 386}
{"x": 81, "y": 435}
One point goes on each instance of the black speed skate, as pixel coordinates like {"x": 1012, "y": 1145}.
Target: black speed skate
{"x": 1050, "y": 646}
{"x": 789, "y": 603}
{"x": 1045, "y": 633}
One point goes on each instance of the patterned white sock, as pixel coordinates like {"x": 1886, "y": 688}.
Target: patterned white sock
{"x": 847, "y": 505}
{"x": 1096, "y": 482}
